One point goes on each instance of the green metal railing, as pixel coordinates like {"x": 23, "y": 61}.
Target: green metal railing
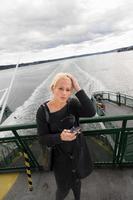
{"x": 104, "y": 151}
{"x": 121, "y": 100}
{"x": 118, "y": 98}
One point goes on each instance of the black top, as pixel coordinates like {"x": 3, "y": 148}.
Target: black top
{"x": 81, "y": 107}
{"x": 65, "y": 153}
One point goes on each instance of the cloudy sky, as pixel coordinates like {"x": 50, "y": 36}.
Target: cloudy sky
{"x": 41, "y": 29}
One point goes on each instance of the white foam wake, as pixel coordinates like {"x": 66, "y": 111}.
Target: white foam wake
{"x": 27, "y": 112}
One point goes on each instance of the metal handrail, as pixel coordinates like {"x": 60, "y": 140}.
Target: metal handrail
{"x": 120, "y": 98}
{"x": 118, "y": 152}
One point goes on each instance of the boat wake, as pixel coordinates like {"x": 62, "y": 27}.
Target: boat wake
{"x": 27, "y": 112}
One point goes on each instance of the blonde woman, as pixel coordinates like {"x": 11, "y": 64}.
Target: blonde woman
{"x": 64, "y": 112}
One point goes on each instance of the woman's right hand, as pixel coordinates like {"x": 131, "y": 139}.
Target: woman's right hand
{"x": 67, "y": 135}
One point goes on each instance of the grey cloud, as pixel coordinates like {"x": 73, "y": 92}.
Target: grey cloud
{"x": 52, "y": 23}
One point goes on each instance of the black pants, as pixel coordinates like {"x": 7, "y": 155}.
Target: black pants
{"x": 76, "y": 188}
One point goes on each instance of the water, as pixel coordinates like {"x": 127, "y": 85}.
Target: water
{"x": 110, "y": 72}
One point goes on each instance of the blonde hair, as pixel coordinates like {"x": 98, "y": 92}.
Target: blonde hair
{"x": 59, "y": 76}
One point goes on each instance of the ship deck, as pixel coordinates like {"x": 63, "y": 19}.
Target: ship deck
{"x": 112, "y": 109}
{"x": 102, "y": 184}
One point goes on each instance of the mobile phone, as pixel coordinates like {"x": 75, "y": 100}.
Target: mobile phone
{"x": 76, "y": 130}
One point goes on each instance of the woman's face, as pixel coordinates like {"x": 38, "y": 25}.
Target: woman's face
{"x": 62, "y": 90}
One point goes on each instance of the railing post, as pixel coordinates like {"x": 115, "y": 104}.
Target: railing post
{"x": 119, "y": 98}
{"x": 122, "y": 141}
{"x": 116, "y": 148}
{"x": 28, "y": 170}
{"x": 25, "y": 148}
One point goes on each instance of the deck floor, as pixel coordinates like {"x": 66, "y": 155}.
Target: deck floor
{"x": 112, "y": 109}
{"x": 102, "y": 184}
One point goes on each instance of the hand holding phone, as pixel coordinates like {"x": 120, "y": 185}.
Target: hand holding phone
{"x": 76, "y": 130}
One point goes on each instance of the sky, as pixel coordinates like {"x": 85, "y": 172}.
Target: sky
{"x": 42, "y": 29}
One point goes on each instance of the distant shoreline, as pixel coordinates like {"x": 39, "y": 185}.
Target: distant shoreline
{"x": 3, "y": 67}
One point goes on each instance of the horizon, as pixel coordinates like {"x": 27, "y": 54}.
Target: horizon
{"x": 56, "y": 58}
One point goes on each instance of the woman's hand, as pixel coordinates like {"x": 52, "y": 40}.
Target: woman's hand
{"x": 75, "y": 83}
{"x": 66, "y": 135}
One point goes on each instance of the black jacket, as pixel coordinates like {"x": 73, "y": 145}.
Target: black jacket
{"x": 65, "y": 118}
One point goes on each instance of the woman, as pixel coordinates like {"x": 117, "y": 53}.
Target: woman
{"x": 64, "y": 113}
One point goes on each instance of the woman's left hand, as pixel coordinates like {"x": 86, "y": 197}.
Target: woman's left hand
{"x": 75, "y": 83}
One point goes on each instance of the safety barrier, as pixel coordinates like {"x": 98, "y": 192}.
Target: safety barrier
{"x": 116, "y": 97}
{"x": 12, "y": 148}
